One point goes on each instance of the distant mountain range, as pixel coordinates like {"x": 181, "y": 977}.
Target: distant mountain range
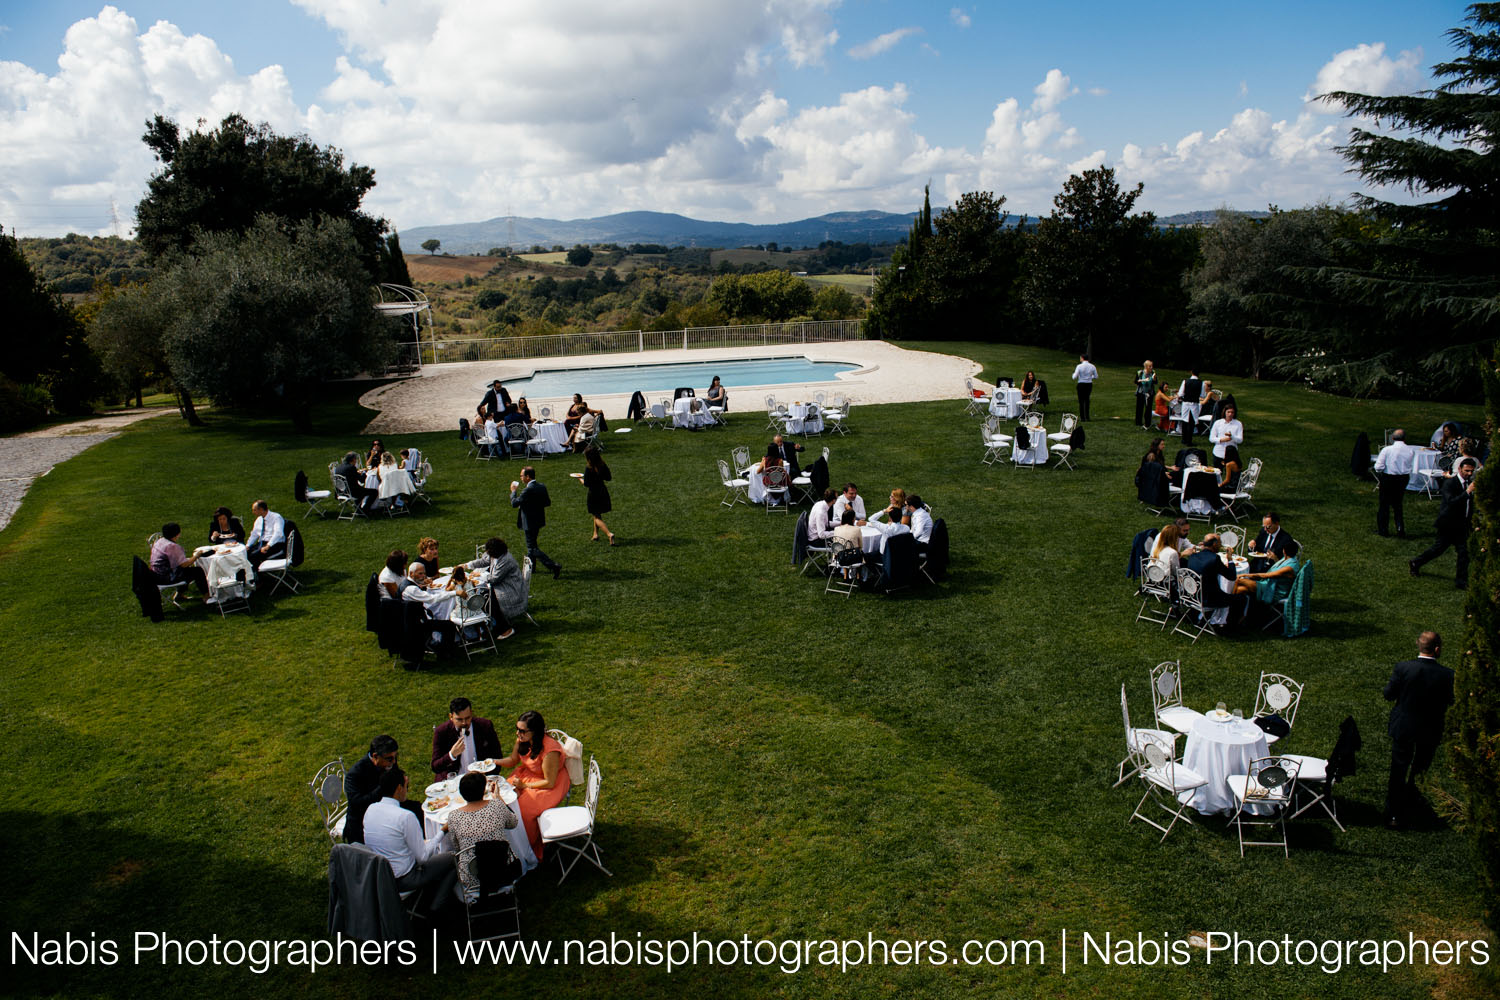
{"x": 671, "y": 230}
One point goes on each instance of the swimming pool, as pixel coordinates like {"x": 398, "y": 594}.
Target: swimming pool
{"x": 548, "y": 383}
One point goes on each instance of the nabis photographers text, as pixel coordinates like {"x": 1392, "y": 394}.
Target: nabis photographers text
{"x": 1072, "y": 950}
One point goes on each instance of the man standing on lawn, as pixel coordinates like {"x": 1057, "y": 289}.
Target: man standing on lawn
{"x": 531, "y": 500}
{"x": 1393, "y": 470}
{"x": 1084, "y": 374}
{"x": 1422, "y": 690}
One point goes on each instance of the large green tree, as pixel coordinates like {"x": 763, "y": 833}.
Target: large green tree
{"x": 268, "y": 316}
{"x": 1438, "y": 269}
{"x": 47, "y": 348}
{"x": 220, "y": 181}
{"x": 898, "y": 307}
{"x": 125, "y": 330}
{"x": 1085, "y": 262}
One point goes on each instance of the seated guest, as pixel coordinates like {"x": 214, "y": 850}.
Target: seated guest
{"x": 1030, "y": 388}
{"x": 362, "y": 786}
{"x": 576, "y": 409}
{"x": 1218, "y": 580}
{"x": 387, "y": 465}
{"x": 513, "y": 416}
{"x": 362, "y": 494}
{"x": 497, "y": 569}
{"x": 1185, "y": 544}
{"x": 409, "y": 460}
{"x": 716, "y": 396}
{"x": 524, "y": 409}
{"x": 396, "y": 835}
{"x": 889, "y": 522}
{"x": 896, "y": 509}
{"x": 1151, "y": 481}
{"x": 1270, "y": 544}
{"x": 492, "y": 435}
{"x": 819, "y": 520}
{"x": 225, "y": 527}
{"x": 427, "y": 555}
{"x": 1226, "y": 431}
{"x": 480, "y": 416}
{"x": 392, "y": 578}
{"x": 438, "y": 600}
{"x": 786, "y": 451}
{"x": 1448, "y": 442}
{"x": 540, "y": 779}
{"x": 377, "y": 449}
{"x": 1273, "y": 584}
{"x": 171, "y": 564}
{"x": 848, "y": 530}
{"x": 1165, "y": 552}
{"x": 267, "y": 537}
{"x": 1468, "y": 448}
{"x": 849, "y": 498}
{"x": 1161, "y": 405}
{"x": 474, "y": 822}
{"x": 1229, "y": 469}
{"x": 919, "y": 518}
{"x": 463, "y": 739}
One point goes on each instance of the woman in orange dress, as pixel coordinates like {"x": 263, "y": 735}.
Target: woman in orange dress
{"x": 539, "y": 778}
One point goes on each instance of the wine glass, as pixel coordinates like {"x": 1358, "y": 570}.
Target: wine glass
{"x": 1219, "y": 709}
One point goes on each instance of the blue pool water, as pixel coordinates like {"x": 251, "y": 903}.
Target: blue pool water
{"x": 547, "y": 383}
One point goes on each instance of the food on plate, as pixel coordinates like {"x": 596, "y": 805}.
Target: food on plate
{"x": 434, "y": 804}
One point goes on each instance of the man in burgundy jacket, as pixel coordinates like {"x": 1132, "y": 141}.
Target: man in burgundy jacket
{"x": 463, "y": 739}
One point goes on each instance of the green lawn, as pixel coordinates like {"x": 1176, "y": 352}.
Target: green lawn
{"x": 777, "y": 763}
{"x": 861, "y": 283}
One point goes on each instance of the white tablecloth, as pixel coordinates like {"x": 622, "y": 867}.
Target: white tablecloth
{"x": 683, "y": 414}
{"x": 1006, "y": 403}
{"x": 553, "y": 434}
{"x": 1197, "y": 505}
{"x": 798, "y": 421}
{"x": 1216, "y": 750}
{"x": 1037, "y": 453}
{"x": 221, "y": 567}
{"x": 1423, "y": 464}
{"x": 433, "y": 823}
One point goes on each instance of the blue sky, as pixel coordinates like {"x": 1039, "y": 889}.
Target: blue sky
{"x": 469, "y": 109}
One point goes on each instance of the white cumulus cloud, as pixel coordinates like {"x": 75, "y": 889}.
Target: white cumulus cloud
{"x": 958, "y": 17}
{"x": 881, "y": 43}
{"x": 1366, "y": 69}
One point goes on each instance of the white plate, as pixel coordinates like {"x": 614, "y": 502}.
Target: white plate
{"x": 440, "y": 788}
{"x": 483, "y": 766}
{"x": 576, "y": 475}
{"x": 432, "y": 809}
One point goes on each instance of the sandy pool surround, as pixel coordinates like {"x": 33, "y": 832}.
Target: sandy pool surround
{"x": 441, "y": 394}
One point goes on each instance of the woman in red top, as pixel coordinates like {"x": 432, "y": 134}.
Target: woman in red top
{"x": 540, "y": 779}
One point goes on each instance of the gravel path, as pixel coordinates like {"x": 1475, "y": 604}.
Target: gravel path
{"x": 27, "y": 457}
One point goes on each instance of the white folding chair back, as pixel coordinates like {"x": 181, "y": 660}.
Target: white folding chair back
{"x": 1166, "y": 698}
{"x": 1134, "y": 743}
{"x": 328, "y": 795}
{"x": 1194, "y": 621}
{"x": 280, "y": 568}
{"x": 1166, "y": 781}
{"x": 570, "y": 829}
{"x": 545, "y": 412}
{"x": 735, "y": 488}
{"x": 844, "y": 563}
{"x": 740, "y": 455}
{"x": 1277, "y": 694}
{"x": 1156, "y": 587}
{"x": 1269, "y": 790}
{"x": 471, "y": 617}
{"x": 777, "y": 487}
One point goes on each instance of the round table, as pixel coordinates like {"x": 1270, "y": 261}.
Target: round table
{"x": 432, "y": 824}
{"x": 1424, "y": 468}
{"x": 1037, "y": 453}
{"x": 553, "y": 434}
{"x": 221, "y": 565}
{"x": 1006, "y": 402}
{"x": 683, "y": 414}
{"x": 800, "y": 421}
{"x": 1216, "y": 749}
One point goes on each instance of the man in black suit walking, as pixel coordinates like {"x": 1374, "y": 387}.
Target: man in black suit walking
{"x": 1422, "y": 690}
{"x": 1453, "y": 520}
{"x": 495, "y": 400}
{"x": 532, "y": 501}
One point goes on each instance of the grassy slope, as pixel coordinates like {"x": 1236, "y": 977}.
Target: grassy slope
{"x": 777, "y": 763}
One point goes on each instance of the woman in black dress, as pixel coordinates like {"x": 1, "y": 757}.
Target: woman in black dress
{"x": 225, "y": 527}
{"x": 595, "y": 475}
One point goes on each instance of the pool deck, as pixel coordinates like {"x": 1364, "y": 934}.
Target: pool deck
{"x": 435, "y": 399}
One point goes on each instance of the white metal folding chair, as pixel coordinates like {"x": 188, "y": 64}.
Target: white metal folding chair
{"x": 499, "y": 874}
{"x": 845, "y": 561}
{"x": 1194, "y": 621}
{"x": 1156, "y": 589}
{"x": 1271, "y": 785}
{"x": 348, "y": 505}
{"x": 838, "y": 419}
{"x": 471, "y": 617}
{"x": 1166, "y": 698}
{"x": 328, "y": 795}
{"x": 994, "y": 446}
{"x": 535, "y": 442}
{"x": 778, "y": 490}
{"x": 1229, "y": 536}
{"x": 1324, "y": 773}
{"x": 1277, "y": 694}
{"x": 740, "y": 456}
{"x": 230, "y": 597}
{"x": 656, "y": 416}
{"x": 1166, "y": 783}
{"x": 526, "y": 568}
{"x": 735, "y": 488}
{"x": 1135, "y": 742}
{"x": 978, "y": 403}
{"x": 571, "y": 828}
{"x": 280, "y": 568}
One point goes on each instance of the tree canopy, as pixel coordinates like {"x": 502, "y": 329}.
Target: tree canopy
{"x": 272, "y": 314}
{"x": 48, "y": 350}
{"x": 221, "y": 180}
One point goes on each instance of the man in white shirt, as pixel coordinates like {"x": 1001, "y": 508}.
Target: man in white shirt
{"x": 1084, "y": 374}
{"x": 395, "y": 834}
{"x": 1190, "y": 396}
{"x": 268, "y": 538}
{"x": 849, "y": 498}
{"x": 439, "y": 600}
{"x": 920, "y": 519}
{"x": 1226, "y": 431}
{"x": 820, "y": 521}
{"x": 1393, "y": 471}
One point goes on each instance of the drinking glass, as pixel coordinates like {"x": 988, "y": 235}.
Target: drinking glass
{"x": 1219, "y": 708}
{"x": 1239, "y": 713}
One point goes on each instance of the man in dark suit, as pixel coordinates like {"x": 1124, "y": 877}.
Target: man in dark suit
{"x": 463, "y": 739}
{"x": 1271, "y": 543}
{"x": 787, "y": 452}
{"x": 1422, "y": 690}
{"x": 531, "y": 500}
{"x": 1455, "y": 515}
{"x": 1207, "y": 564}
{"x": 363, "y": 497}
{"x": 362, "y": 785}
{"x": 495, "y": 400}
